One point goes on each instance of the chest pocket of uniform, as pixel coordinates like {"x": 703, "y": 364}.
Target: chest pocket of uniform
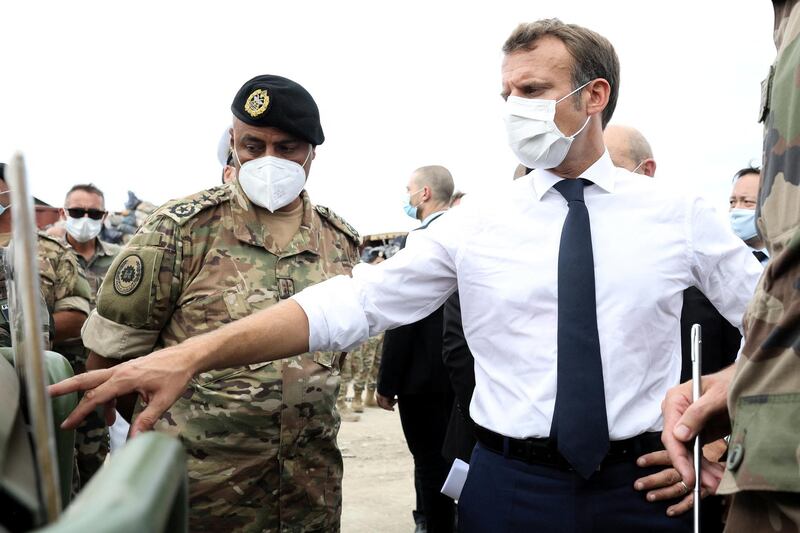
{"x": 238, "y": 308}
{"x": 212, "y": 312}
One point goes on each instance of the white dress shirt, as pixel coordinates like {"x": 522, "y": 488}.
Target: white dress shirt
{"x": 649, "y": 245}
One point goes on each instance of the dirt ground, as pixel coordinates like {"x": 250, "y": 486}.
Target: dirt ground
{"x": 378, "y": 484}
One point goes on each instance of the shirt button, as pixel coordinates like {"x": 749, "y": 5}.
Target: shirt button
{"x": 735, "y": 457}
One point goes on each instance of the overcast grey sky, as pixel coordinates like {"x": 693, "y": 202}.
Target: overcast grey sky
{"x": 136, "y": 95}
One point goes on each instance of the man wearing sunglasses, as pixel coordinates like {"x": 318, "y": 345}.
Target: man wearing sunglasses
{"x": 63, "y": 283}
{"x": 84, "y": 213}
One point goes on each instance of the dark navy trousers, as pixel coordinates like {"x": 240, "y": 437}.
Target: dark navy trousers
{"x": 505, "y": 495}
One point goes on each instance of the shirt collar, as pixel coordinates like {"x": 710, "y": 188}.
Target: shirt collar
{"x": 602, "y": 173}
{"x": 430, "y": 217}
{"x": 247, "y": 227}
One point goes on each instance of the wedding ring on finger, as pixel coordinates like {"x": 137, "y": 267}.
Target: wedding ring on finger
{"x": 685, "y": 487}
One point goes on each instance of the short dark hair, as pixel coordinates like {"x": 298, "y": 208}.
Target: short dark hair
{"x": 752, "y": 169}
{"x": 85, "y": 187}
{"x": 3, "y": 171}
{"x": 594, "y": 56}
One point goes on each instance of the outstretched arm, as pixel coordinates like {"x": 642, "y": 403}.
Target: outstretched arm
{"x": 162, "y": 377}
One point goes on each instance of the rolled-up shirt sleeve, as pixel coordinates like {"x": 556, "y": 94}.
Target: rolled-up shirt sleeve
{"x": 343, "y": 312}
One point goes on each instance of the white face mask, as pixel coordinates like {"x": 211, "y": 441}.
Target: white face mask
{"x": 272, "y": 182}
{"x": 532, "y": 131}
{"x": 84, "y": 229}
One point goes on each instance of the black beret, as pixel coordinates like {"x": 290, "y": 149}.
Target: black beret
{"x": 273, "y": 101}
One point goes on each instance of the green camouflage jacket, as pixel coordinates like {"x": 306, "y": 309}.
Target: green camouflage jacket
{"x": 261, "y": 439}
{"x": 764, "y": 401}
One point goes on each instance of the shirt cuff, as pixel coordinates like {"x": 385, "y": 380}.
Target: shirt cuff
{"x": 72, "y": 303}
{"x": 116, "y": 341}
{"x": 336, "y": 319}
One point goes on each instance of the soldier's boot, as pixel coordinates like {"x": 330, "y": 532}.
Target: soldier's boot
{"x": 370, "y": 401}
{"x": 358, "y": 404}
{"x": 346, "y": 414}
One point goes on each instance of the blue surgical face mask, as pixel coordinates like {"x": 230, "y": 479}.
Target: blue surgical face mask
{"x": 411, "y": 210}
{"x": 743, "y": 222}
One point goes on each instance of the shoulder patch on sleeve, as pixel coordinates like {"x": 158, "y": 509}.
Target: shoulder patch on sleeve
{"x": 184, "y": 209}
{"x": 339, "y": 223}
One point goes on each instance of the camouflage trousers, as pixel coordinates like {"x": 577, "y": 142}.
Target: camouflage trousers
{"x": 92, "y": 444}
{"x": 361, "y": 366}
{"x": 92, "y": 441}
{"x": 262, "y": 450}
{"x": 764, "y": 512}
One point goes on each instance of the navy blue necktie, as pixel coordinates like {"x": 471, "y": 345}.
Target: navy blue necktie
{"x": 580, "y": 425}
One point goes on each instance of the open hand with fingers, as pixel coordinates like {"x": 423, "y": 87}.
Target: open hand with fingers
{"x": 683, "y": 420}
{"x": 159, "y": 379}
{"x": 668, "y": 483}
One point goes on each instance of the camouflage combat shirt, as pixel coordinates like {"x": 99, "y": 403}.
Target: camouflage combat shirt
{"x": 97, "y": 267}
{"x": 764, "y": 401}
{"x": 261, "y": 439}
{"x": 62, "y": 282}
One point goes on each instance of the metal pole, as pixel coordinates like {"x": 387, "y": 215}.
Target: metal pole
{"x": 697, "y": 359}
{"x": 27, "y": 337}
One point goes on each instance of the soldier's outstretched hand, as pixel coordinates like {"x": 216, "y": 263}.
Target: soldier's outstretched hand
{"x": 159, "y": 379}
{"x": 683, "y": 420}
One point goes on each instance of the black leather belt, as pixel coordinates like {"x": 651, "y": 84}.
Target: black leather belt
{"x": 544, "y": 452}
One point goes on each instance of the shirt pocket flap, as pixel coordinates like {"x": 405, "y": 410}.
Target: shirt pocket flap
{"x": 763, "y": 449}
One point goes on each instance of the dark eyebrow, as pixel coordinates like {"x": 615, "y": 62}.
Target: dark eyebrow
{"x": 247, "y": 138}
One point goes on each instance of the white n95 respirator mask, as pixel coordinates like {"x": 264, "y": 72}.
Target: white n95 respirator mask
{"x": 272, "y": 182}
{"x": 532, "y": 132}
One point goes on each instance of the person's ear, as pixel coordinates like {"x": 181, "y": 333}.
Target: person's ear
{"x": 598, "y": 91}
{"x": 649, "y": 167}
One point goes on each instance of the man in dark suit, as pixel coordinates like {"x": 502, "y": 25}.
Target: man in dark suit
{"x": 412, "y": 373}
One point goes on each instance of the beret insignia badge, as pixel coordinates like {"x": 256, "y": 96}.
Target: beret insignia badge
{"x": 257, "y": 103}
{"x": 128, "y": 275}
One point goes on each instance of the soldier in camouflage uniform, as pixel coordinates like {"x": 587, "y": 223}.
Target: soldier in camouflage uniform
{"x": 763, "y": 467}
{"x": 64, "y": 288}
{"x": 84, "y": 213}
{"x": 261, "y": 439}
{"x": 352, "y": 366}
{"x": 369, "y": 375}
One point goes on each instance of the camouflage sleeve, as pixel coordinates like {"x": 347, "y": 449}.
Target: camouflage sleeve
{"x": 138, "y": 294}
{"x": 63, "y": 282}
{"x": 72, "y": 292}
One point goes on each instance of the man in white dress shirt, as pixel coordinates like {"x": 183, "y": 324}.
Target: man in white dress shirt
{"x": 527, "y": 268}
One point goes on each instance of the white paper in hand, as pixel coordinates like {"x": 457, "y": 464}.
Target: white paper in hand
{"x": 455, "y": 479}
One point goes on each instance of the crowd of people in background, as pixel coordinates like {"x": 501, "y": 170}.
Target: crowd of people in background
{"x": 530, "y": 335}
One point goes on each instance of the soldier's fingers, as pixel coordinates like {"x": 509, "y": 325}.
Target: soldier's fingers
{"x": 665, "y": 478}
{"x": 659, "y": 458}
{"x": 92, "y": 398}
{"x": 676, "y": 402}
{"x": 150, "y": 415}
{"x": 81, "y": 382}
{"x": 711, "y": 475}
